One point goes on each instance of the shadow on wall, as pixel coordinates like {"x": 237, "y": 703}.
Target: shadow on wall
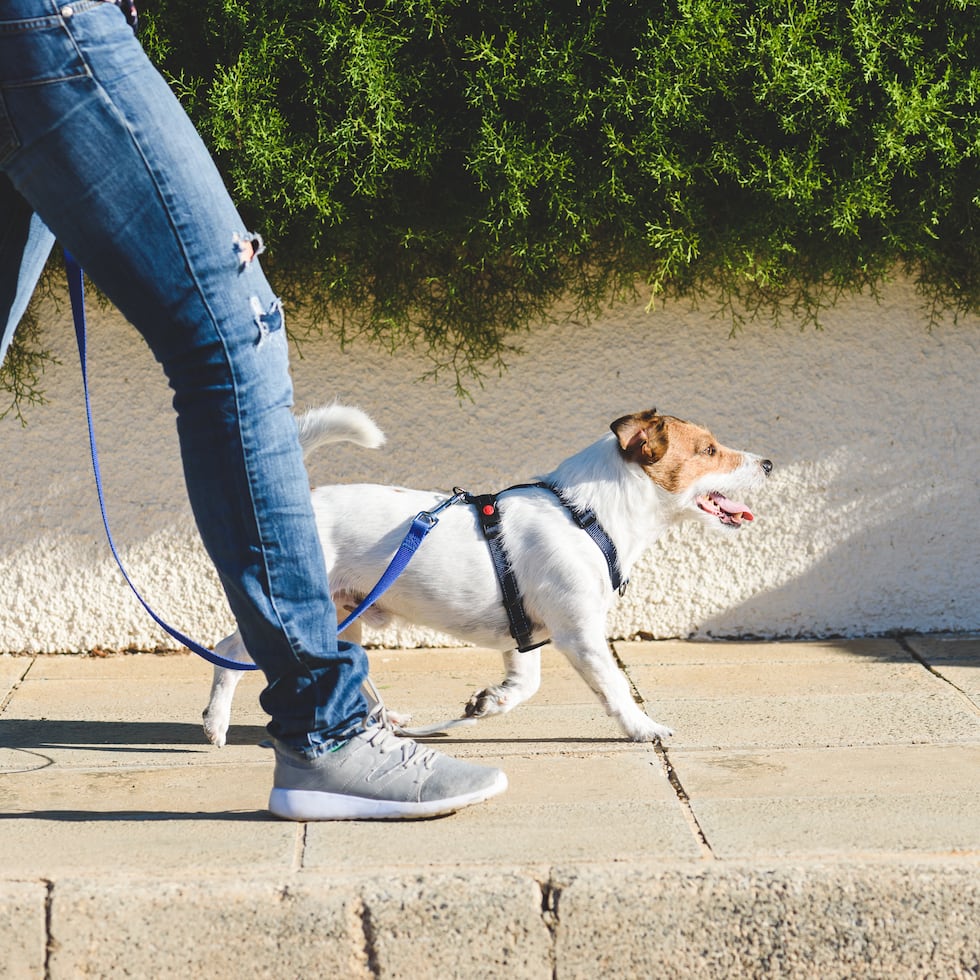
{"x": 860, "y": 546}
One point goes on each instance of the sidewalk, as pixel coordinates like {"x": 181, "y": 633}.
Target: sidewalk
{"x": 816, "y": 814}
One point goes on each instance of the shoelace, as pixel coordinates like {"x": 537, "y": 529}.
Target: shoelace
{"x": 412, "y": 754}
{"x": 383, "y": 735}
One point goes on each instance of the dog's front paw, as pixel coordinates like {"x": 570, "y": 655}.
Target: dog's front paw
{"x": 216, "y": 721}
{"x": 647, "y": 730}
{"x": 489, "y": 701}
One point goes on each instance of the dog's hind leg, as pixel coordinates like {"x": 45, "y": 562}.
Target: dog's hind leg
{"x": 589, "y": 653}
{"x": 217, "y": 715}
{"x": 522, "y": 682}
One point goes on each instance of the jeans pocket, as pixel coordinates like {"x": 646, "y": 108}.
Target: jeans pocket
{"x": 8, "y": 137}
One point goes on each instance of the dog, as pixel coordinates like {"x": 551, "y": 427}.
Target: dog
{"x": 648, "y": 473}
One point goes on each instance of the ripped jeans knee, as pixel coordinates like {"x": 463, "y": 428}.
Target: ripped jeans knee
{"x": 248, "y": 247}
{"x": 269, "y": 319}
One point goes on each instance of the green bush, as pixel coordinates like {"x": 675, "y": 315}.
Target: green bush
{"x": 444, "y": 173}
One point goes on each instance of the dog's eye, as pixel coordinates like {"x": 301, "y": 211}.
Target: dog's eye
{"x": 708, "y": 451}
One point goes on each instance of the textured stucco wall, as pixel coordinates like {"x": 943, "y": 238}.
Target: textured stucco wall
{"x": 868, "y": 524}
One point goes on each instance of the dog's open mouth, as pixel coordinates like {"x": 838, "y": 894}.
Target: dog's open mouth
{"x": 730, "y": 512}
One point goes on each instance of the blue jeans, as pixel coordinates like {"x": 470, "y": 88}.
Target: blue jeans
{"x": 95, "y": 147}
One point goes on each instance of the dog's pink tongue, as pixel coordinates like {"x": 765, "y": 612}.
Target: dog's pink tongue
{"x": 731, "y": 506}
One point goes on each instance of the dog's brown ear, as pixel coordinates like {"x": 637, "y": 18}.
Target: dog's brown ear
{"x": 642, "y": 436}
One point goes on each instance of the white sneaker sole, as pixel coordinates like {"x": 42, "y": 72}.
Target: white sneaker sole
{"x": 299, "y": 804}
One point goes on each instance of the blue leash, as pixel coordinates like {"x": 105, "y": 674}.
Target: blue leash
{"x": 420, "y": 527}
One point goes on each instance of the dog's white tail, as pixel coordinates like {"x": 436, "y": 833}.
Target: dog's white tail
{"x": 337, "y": 423}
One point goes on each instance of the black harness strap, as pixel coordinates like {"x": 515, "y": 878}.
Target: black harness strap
{"x": 589, "y": 523}
{"x": 520, "y": 627}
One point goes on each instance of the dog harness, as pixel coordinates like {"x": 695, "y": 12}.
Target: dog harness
{"x": 521, "y": 627}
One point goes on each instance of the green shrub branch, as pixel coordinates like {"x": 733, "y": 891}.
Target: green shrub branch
{"x": 443, "y": 174}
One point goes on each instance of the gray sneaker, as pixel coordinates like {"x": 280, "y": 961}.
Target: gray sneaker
{"x": 377, "y": 775}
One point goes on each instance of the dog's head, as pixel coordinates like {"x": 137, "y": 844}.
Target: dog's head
{"x": 684, "y": 459}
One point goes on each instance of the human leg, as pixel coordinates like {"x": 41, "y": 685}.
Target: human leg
{"x": 108, "y": 159}
{"x": 104, "y": 154}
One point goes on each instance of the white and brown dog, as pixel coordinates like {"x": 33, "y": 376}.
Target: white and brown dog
{"x": 651, "y": 472}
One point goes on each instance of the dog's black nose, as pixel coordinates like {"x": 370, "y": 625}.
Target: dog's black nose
{"x": 766, "y": 465}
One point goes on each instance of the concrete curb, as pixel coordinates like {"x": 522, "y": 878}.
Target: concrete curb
{"x": 872, "y": 919}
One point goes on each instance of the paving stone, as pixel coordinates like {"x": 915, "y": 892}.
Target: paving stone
{"x": 192, "y": 818}
{"x": 954, "y": 658}
{"x": 836, "y": 784}
{"x": 134, "y": 668}
{"x": 841, "y": 701}
{"x": 121, "y": 719}
{"x": 12, "y": 669}
{"x": 819, "y": 720}
{"x": 23, "y": 927}
{"x": 872, "y": 650}
{"x": 953, "y": 648}
{"x": 212, "y": 927}
{"x": 559, "y": 808}
{"x": 754, "y": 679}
{"x": 462, "y": 925}
{"x": 835, "y": 801}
